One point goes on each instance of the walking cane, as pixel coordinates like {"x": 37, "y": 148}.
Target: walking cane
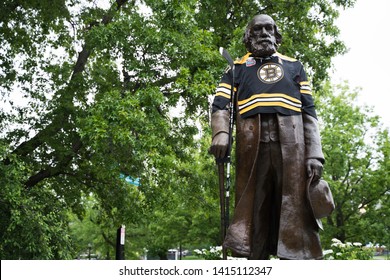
{"x": 222, "y": 198}
{"x": 224, "y": 195}
{"x": 224, "y": 192}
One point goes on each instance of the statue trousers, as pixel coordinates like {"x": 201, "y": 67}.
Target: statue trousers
{"x": 268, "y": 192}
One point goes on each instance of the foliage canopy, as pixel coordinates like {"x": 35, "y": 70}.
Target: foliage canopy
{"x": 98, "y": 90}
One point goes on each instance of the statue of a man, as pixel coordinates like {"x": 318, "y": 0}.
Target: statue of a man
{"x": 278, "y": 149}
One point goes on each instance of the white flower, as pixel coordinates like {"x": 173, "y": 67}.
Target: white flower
{"x": 338, "y": 254}
{"x": 340, "y": 245}
{"x": 335, "y": 240}
{"x": 357, "y": 244}
{"x": 326, "y": 252}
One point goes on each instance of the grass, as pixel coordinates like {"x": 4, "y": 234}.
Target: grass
{"x": 192, "y": 258}
{"x": 382, "y": 257}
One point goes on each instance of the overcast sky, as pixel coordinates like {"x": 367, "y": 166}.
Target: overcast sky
{"x": 364, "y": 30}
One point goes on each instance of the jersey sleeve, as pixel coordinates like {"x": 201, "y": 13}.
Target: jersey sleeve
{"x": 306, "y": 93}
{"x": 222, "y": 95}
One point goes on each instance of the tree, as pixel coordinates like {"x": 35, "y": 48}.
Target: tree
{"x": 357, "y": 166}
{"x": 100, "y": 80}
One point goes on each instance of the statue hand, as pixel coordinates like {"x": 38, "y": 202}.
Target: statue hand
{"x": 219, "y": 145}
{"x": 314, "y": 167}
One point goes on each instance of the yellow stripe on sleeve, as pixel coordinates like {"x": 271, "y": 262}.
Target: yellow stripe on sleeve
{"x": 306, "y": 92}
{"x": 220, "y": 93}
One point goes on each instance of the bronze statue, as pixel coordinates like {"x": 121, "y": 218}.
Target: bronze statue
{"x": 278, "y": 149}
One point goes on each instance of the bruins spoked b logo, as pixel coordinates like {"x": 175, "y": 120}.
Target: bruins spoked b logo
{"x": 270, "y": 73}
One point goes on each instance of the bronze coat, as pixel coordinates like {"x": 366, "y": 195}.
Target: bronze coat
{"x": 300, "y": 140}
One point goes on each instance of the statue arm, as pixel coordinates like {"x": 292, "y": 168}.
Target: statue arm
{"x": 220, "y": 133}
{"x": 314, "y": 155}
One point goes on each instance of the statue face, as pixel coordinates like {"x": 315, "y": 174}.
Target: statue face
{"x": 262, "y": 40}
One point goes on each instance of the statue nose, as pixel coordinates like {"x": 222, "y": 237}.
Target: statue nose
{"x": 263, "y": 31}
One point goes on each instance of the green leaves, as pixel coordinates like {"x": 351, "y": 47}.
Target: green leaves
{"x": 355, "y": 152}
{"x": 33, "y": 224}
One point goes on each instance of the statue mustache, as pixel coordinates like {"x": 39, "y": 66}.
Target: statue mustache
{"x": 262, "y": 39}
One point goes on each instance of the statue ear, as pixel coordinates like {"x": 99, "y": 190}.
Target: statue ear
{"x": 278, "y": 36}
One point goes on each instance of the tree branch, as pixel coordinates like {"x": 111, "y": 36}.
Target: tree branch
{"x": 56, "y": 170}
{"x": 108, "y": 240}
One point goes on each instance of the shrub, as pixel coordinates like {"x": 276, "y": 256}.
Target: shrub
{"x": 348, "y": 251}
{"x": 214, "y": 253}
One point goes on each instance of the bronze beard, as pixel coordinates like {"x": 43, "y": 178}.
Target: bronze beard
{"x": 262, "y": 47}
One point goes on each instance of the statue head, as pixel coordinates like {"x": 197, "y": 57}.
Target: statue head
{"x": 261, "y": 36}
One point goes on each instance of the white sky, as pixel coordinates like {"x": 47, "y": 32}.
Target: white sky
{"x": 364, "y": 30}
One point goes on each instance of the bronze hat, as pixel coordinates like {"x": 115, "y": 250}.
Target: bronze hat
{"x": 320, "y": 200}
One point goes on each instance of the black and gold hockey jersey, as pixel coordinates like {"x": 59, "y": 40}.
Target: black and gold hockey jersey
{"x": 277, "y": 84}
